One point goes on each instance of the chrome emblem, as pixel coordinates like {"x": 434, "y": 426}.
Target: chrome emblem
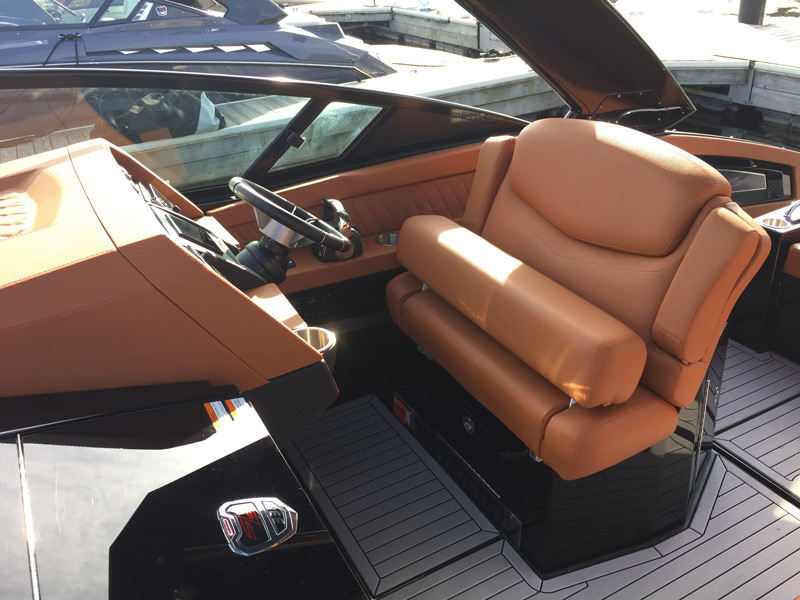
{"x": 256, "y": 524}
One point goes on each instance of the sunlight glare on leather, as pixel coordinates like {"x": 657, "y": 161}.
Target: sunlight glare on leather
{"x": 17, "y": 214}
{"x": 494, "y": 262}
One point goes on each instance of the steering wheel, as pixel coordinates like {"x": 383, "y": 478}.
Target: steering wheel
{"x": 289, "y": 214}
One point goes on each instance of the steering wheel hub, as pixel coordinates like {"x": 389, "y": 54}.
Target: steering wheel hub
{"x": 284, "y": 225}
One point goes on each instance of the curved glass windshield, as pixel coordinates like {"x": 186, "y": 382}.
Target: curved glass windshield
{"x": 193, "y": 138}
{"x": 199, "y": 136}
{"x": 38, "y": 13}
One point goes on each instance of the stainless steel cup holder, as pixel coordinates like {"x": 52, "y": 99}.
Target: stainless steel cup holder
{"x": 322, "y": 340}
{"x": 387, "y": 239}
{"x": 776, "y": 223}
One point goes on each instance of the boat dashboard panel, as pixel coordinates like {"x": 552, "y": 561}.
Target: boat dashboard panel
{"x": 107, "y": 280}
{"x": 764, "y": 178}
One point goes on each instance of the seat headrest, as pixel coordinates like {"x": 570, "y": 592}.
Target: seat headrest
{"x": 612, "y": 186}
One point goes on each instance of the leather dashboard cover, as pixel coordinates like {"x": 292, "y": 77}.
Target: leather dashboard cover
{"x": 95, "y": 294}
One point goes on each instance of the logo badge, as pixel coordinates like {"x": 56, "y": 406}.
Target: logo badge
{"x": 161, "y": 11}
{"x": 256, "y": 524}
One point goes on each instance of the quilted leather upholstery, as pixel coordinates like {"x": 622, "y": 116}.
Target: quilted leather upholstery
{"x": 387, "y": 210}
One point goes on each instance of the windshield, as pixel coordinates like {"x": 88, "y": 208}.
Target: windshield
{"x": 202, "y": 136}
{"x": 189, "y": 137}
{"x": 33, "y": 13}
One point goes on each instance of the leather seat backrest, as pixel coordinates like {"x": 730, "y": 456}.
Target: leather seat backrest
{"x": 635, "y": 226}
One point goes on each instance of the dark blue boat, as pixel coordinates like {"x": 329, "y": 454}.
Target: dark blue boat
{"x": 244, "y": 37}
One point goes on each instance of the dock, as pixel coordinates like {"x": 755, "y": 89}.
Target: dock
{"x": 713, "y": 57}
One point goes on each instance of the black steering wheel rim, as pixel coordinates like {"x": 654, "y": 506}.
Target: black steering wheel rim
{"x": 289, "y": 214}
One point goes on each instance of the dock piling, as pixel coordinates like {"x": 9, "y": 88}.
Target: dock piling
{"x": 752, "y": 11}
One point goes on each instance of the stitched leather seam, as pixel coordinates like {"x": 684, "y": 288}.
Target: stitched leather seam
{"x": 686, "y": 215}
{"x": 694, "y": 312}
{"x": 490, "y": 192}
{"x": 595, "y": 361}
{"x": 675, "y": 339}
{"x": 529, "y": 227}
{"x": 74, "y": 311}
{"x": 57, "y": 268}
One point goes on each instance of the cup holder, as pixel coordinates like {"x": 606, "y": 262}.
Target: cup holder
{"x": 322, "y": 340}
{"x": 388, "y": 239}
{"x": 776, "y": 223}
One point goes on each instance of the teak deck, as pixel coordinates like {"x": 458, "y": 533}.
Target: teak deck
{"x": 743, "y": 541}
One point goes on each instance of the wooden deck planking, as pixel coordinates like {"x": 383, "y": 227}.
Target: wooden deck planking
{"x": 742, "y": 541}
{"x": 759, "y": 562}
{"x": 790, "y": 466}
{"x": 781, "y": 454}
{"x": 788, "y": 589}
{"x": 769, "y": 580}
{"x": 741, "y": 535}
{"x": 785, "y": 431}
{"x": 752, "y": 384}
{"x": 741, "y": 544}
{"x": 761, "y": 426}
{"x": 730, "y": 483}
{"x": 770, "y": 441}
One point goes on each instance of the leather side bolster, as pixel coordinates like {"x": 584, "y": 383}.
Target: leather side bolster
{"x": 717, "y": 259}
{"x": 514, "y": 393}
{"x": 493, "y": 162}
{"x": 578, "y": 441}
{"x": 588, "y": 354}
{"x": 398, "y": 290}
{"x": 792, "y": 265}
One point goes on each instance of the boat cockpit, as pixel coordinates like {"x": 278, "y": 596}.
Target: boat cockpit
{"x": 530, "y": 319}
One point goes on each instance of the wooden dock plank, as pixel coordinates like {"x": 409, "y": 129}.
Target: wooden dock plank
{"x": 42, "y": 144}
{"x": 25, "y": 149}
{"x": 8, "y": 153}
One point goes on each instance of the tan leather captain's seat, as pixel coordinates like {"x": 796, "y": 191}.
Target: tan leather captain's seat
{"x": 594, "y": 263}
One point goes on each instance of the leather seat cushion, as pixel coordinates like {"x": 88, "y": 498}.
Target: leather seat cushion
{"x": 518, "y": 396}
{"x": 571, "y": 171}
{"x": 574, "y": 441}
{"x": 580, "y": 441}
{"x": 586, "y": 353}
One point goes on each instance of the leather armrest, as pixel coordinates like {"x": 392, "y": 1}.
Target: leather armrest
{"x": 588, "y": 354}
{"x": 689, "y": 316}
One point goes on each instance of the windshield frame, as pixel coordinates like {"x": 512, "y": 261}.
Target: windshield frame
{"x": 492, "y": 123}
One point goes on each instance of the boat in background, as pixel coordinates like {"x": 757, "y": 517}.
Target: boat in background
{"x": 242, "y": 37}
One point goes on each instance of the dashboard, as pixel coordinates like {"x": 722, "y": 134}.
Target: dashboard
{"x": 110, "y": 278}
{"x": 205, "y": 238}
